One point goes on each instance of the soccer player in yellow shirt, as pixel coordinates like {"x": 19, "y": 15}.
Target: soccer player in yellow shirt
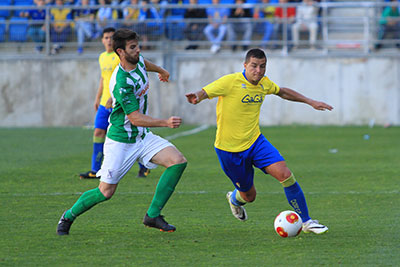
{"x": 108, "y": 60}
{"x": 239, "y": 143}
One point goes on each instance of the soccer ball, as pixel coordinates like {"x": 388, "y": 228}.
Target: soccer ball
{"x": 288, "y": 224}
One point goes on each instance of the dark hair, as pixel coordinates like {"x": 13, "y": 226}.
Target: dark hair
{"x": 257, "y": 53}
{"x": 121, "y": 36}
{"x": 109, "y": 29}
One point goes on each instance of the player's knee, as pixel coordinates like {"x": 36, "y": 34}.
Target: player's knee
{"x": 284, "y": 174}
{"x": 179, "y": 159}
{"x": 107, "y": 193}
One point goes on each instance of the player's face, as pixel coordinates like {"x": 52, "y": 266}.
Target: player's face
{"x": 132, "y": 52}
{"x": 255, "y": 69}
{"x": 108, "y": 41}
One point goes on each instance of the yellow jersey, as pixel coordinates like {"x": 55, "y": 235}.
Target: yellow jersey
{"x": 108, "y": 62}
{"x": 60, "y": 14}
{"x": 238, "y": 109}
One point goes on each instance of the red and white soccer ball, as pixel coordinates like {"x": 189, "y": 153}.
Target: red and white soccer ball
{"x": 288, "y": 224}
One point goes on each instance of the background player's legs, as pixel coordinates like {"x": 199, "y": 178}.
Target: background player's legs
{"x": 143, "y": 171}
{"x": 98, "y": 144}
{"x": 293, "y": 191}
{"x": 99, "y": 135}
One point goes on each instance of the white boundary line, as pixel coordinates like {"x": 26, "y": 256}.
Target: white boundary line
{"x": 393, "y": 192}
{"x": 189, "y": 132}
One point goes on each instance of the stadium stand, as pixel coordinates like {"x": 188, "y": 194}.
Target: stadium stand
{"x": 343, "y": 25}
{"x": 18, "y": 29}
{"x": 2, "y": 30}
{"x": 4, "y": 13}
{"x": 17, "y": 13}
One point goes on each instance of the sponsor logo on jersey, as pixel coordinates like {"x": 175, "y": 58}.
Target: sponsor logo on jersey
{"x": 144, "y": 90}
{"x": 247, "y": 99}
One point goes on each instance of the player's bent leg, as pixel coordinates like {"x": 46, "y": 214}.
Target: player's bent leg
{"x": 278, "y": 170}
{"x": 168, "y": 156}
{"x": 294, "y": 193}
{"x": 165, "y": 187}
{"x": 295, "y": 197}
{"x": 86, "y": 201}
{"x": 175, "y": 162}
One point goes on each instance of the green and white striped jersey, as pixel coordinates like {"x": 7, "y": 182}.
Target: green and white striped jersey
{"x": 129, "y": 93}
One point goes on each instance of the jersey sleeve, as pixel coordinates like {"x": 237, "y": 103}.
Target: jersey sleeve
{"x": 124, "y": 95}
{"x": 270, "y": 86}
{"x": 219, "y": 87}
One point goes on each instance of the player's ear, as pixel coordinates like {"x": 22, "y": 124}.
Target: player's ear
{"x": 119, "y": 51}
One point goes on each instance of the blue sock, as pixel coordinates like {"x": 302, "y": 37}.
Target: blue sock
{"x": 97, "y": 156}
{"x": 234, "y": 200}
{"x": 296, "y": 199}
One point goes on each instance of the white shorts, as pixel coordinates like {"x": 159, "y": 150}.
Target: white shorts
{"x": 120, "y": 157}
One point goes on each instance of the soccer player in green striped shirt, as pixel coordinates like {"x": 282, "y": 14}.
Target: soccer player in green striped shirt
{"x": 129, "y": 138}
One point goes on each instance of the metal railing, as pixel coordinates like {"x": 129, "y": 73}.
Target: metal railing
{"x": 342, "y": 27}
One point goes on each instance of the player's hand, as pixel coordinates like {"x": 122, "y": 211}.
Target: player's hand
{"x": 321, "y": 105}
{"x": 109, "y": 103}
{"x": 96, "y": 105}
{"x": 174, "y": 122}
{"x": 192, "y": 98}
{"x": 163, "y": 76}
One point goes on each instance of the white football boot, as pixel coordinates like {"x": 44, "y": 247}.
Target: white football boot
{"x": 238, "y": 211}
{"x": 313, "y": 226}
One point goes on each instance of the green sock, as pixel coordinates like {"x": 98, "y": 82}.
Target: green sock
{"x": 165, "y": 188}
{"x": 85, "y": 202}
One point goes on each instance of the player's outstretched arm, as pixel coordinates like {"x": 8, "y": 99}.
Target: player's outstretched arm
{"x": 141, "y": 120}
{"x": 194, "y": 98}
{"x": 163, "y": 74}
{"x": 292, "y": 95}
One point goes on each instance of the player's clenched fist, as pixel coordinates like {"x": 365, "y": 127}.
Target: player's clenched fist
{"x": 174, "y": 122}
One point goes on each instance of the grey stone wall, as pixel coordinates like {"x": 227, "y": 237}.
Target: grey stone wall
{"x": 61, "y": 92}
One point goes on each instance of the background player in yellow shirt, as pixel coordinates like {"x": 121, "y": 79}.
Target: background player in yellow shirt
{"x": 239, "y": 143}
{"x": 108, "y": 60}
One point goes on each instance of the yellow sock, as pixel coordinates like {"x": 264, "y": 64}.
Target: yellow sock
{"x": 289, "y": 181}
{"x": 239, "y": 197}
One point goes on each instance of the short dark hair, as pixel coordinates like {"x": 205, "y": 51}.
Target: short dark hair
{"x": 257, "y": 53}
{"x": 121, "y": 36}
{"x": 109, "y": 29}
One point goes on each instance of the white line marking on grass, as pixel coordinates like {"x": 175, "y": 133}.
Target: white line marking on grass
{"x": 189, "y": 132}
{"x": 393, "y": 192}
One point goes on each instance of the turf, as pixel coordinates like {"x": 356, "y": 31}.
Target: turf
{"x": 351, "y": 184}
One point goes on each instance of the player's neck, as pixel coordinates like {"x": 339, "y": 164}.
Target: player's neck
{"x": 128, "y": 66}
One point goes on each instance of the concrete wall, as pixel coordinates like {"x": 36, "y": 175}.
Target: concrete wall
{"x": 61, "y": 93}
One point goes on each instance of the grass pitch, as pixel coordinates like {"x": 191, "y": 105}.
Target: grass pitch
{"x": 351, "y": 185}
